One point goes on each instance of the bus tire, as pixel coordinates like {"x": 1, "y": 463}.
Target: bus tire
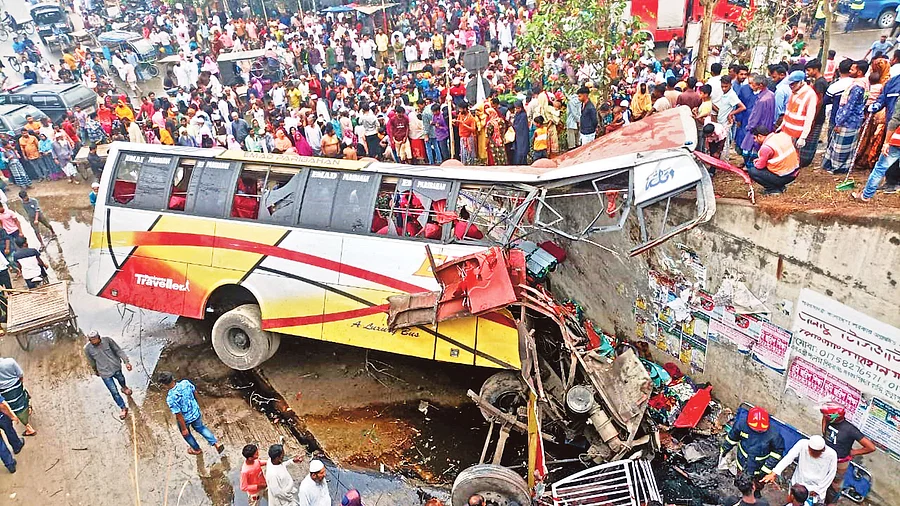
{"x": 506, "y": 391}
{"x": 497, "y": 484}
{"x": 239, "y": 340}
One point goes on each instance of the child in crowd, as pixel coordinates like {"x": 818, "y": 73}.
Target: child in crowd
{"x": 540, "y": 138}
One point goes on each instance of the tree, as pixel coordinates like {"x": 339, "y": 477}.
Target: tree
{"x": 703, "y": 50}
{"x": 826, "y": 35}
{"x": 591, "y": 34}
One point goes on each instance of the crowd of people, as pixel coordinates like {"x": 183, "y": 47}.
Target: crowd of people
{"x": 338, "y": 85}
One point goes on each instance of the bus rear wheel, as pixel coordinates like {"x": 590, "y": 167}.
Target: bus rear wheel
{"x": 497, "y": 484}
{"x": 239, "y": 340}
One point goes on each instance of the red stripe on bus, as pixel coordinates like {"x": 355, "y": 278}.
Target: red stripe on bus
{"x": 201, "y": 240}
{"x": 277, "y": 323}
{"x": 185, "y": 239}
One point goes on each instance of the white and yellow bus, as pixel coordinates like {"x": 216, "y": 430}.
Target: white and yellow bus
{"x": 272, "y": 245}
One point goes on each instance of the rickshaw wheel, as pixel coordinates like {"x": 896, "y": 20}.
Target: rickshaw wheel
{"x": 152, "y": 70}
{"x": 29, "y": 28}
{"x": 15, "y": 63}
{"x": 4, "y": 34}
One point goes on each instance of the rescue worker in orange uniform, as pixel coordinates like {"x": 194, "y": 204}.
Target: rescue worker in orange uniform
{"x": 778, "y": 162}
{"x": 800, "y": 113}
{"x": 759, "y": 447}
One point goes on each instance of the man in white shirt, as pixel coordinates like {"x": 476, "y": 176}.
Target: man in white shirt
{"x": 279, "y": 482}
{"x": 313, "y": 490}
{"x": 367, "y": 49}
{"x": 815, "y": 469}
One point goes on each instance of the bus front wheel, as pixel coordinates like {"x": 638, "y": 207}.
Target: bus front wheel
{"x": 239, "y": 340}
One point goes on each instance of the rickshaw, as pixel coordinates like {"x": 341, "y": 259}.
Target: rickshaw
{"x": 146, "y": 51}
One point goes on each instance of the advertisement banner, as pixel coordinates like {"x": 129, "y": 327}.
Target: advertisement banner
{"x": 773, "y": 346}
{"x": 851, "y": 346}
{"x": 817, "y": 385}
{"x": 722, "y": 332}
{"x": 882, "y": 425}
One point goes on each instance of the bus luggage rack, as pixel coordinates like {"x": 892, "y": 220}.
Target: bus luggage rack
{"x": 620, "y": 483}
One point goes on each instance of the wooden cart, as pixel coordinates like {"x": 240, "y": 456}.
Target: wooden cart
{"x": 31, "y": 311}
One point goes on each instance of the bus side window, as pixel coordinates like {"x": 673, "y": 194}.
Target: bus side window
{"x": 352, "y": 201}
{"x": 125, "y": 185}
{"x": 142, "y": 180}
{"x": 179, "y": 190}
{"x": 248, "y": 192}
{"x": 412, "y": 208}
{"x": 279, "y": 195}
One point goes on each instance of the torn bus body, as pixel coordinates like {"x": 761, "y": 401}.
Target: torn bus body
{"x": 635, "y": 169}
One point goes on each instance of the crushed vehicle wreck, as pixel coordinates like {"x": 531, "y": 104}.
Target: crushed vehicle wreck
{"x": 429, "y": 262}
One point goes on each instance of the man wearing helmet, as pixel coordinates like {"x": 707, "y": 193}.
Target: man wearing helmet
{"x": 840, "y": 435}
{"x": 758, "y": 447}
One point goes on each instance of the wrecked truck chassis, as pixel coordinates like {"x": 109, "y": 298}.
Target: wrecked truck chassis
{"x": 586, "y": 394}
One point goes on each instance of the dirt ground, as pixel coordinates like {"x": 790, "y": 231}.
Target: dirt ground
{"x": 813, "y": 190}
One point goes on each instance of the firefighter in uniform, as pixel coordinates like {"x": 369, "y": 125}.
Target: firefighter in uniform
{"x": 758, "y": 448}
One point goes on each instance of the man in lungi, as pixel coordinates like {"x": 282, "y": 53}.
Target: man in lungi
{"x": 848, "y": 120}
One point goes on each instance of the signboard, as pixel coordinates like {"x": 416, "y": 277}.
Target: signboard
{"x": 850, "y": 345}
{"x": 882, "y": 425}
{"x": 476, "y": 59}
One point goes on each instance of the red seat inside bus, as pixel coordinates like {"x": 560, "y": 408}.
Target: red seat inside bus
{"x": 123, "y": 191}
{"x": 246, "y": 200}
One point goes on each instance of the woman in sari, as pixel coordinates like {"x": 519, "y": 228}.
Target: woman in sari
{"x": 13, "y": 391}
{"x": 871, "y": 137}
{"x": 300, "y": 143}
{"x": 495, "y": 129}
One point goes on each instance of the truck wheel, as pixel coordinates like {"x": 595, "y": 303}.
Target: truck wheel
{"x": 886, "y": 19}
{"x": 506, "y": 391}
{"x": 497, "y": 484}
{"x": 239, "y": 340}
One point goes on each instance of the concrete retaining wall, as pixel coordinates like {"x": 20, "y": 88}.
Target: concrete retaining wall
{"x": 854, "y": 260}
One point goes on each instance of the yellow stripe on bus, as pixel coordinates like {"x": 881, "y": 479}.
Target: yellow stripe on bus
{"x": 304, "y": 161}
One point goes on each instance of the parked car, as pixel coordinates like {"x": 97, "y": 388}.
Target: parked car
{"x": 881, "y": 12}
{"x": 14, "y": 116}
{"x": 53, "y": 99}
{"x": 46, "y": 16}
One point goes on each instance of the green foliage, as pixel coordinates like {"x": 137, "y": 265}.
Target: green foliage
{"x": 592, "y": 33}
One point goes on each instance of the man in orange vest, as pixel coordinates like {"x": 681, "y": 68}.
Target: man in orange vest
{"x": 801, "y": 108}
{"x": 778, "y": 162}
{"x": 890, "y": 153}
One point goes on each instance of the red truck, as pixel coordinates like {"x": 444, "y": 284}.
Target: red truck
{"x": 668, "y": 19}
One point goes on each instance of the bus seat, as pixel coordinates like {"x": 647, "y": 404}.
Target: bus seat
{"x": 413, "y": 228}
{"x": 432, "y": 231}
{"x": 378, "y": 222}
{"x": 245, "y": 207}
{"x": 471, "y": 233}
{"x": 123, "y": 191}
{"x": 176, "y": 202}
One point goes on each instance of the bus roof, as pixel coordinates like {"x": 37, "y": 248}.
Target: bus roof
{"x": 631, "y": 145}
